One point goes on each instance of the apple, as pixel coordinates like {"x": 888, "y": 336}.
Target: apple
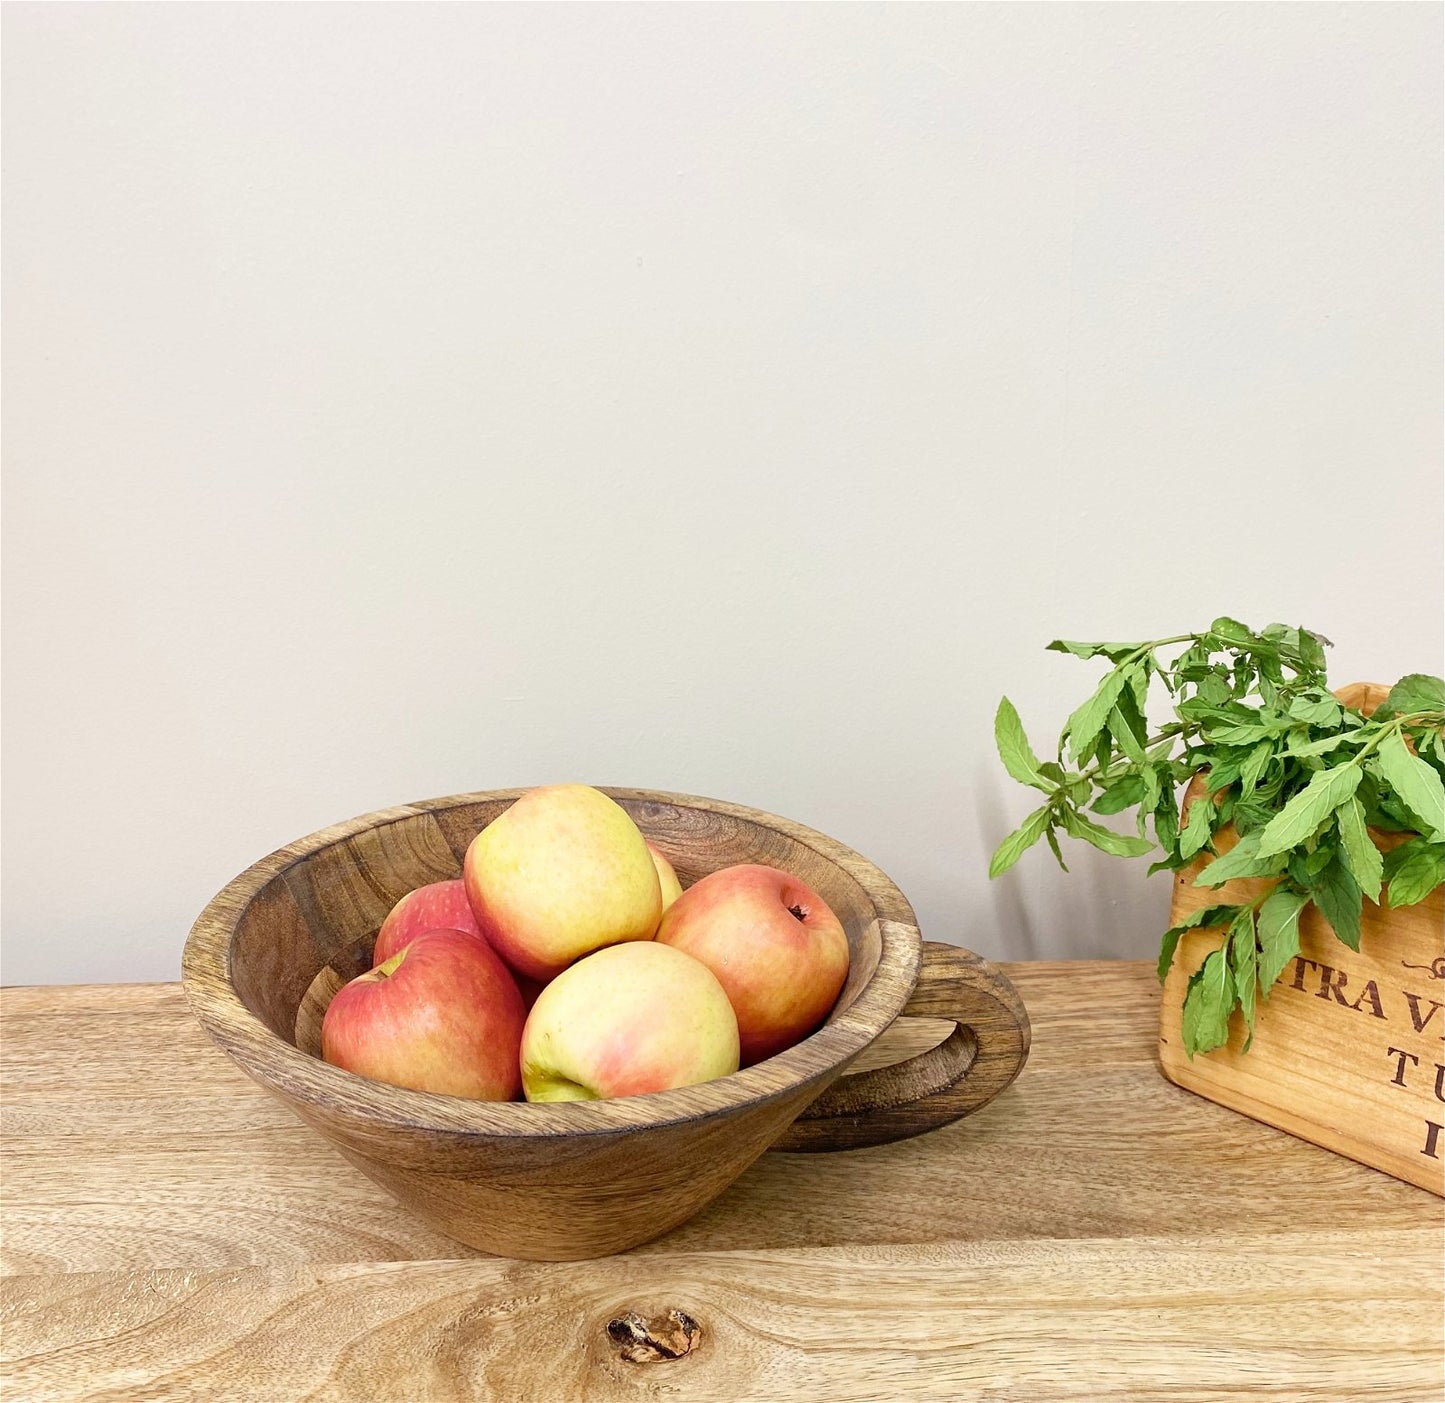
{"x": 626, "y": 1020}
{"x": 666, "y": 878}
{"x": 442, "y": 1014}
{"x": 773, "y": 944}
{"x": 439, "y": 906}
{"x": 562, "y": 872}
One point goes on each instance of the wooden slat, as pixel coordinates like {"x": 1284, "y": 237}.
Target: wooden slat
{"x": 170, "y": 1232}
{"x": 1311, "y": 1315}
{"x": 131, "y": 1142}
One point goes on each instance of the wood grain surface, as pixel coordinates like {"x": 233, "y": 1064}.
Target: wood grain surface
{"x": 171, "y": 1232}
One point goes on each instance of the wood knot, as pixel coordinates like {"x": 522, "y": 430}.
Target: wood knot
{"x": 641, "y": 1340}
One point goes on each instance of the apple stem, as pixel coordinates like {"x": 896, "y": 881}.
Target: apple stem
{"x": 389, "y": 967}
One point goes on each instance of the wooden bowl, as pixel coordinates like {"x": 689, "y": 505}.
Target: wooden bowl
{"x": 583, "y": 1179}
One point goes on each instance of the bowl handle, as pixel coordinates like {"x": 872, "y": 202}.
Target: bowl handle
{"x": 983, "y": 1054}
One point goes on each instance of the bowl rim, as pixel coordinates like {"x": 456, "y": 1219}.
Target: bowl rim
{"x": 279, "y": 1065}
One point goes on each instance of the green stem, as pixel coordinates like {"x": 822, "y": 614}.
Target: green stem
{"x": 1396, "y": 724}
{"x": 1172, "y": 730}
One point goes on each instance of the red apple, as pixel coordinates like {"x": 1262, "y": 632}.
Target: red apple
{"x": 440, "y": 906}
{"x": 443, "y": 1014}
{"x": 626, "y": 1020}
{"x": 774, "y": 945}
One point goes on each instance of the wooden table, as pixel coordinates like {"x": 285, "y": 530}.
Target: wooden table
{"x": 170, "y": 1232}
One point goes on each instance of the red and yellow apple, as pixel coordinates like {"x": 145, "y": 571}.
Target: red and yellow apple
{"x": 773, "y": 944}
{"x": 442, "y": 1014}
{"x": 438, "y": 906}
{"x": 562, "y": 872}
{"x": 627, "y": 1020}
{"x": 666, "y": 878}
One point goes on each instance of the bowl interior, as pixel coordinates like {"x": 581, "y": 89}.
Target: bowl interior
{"x": 312, "y": 925}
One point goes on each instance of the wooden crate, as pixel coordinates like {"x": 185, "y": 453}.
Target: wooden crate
{"x": 1349, "y": 1049}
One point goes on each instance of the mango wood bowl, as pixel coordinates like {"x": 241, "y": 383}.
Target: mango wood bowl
{"x": 584, "y": 1179}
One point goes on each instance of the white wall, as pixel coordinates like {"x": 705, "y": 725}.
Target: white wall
{"x": 410, "y": 399}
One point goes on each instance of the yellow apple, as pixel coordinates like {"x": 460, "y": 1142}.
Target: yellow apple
{"x": 562, "y": 872}
{"x": 666, "y": 878}
{"x": 624, "y": 1021}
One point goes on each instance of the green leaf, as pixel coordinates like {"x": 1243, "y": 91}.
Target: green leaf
{"x": 1105, "y": 839}
{"x": 1235, "y": 735}
{"x": 1338, "y": 897}
{"x": 1166, "y": 810}
{"x": 1019, "y": 841}
{"x": 1391, "y": 815}
{"x": 1014, "y": 749}
{"x": 1244, "y": 964}
{"x": 1153, "y": 791}
{"x": 1317, "y": 710}
{"x": 1223, "y": 770}
{"x": 1301, "y": 818}
{"x": 1322, "y": 746}
{"x": 1205, "y": 916}
{"x": 1368, "y": 795}
{"x": 1119, "y": 794}
{"x": 1416, "y": 785}
{"x": 1115, "y": 652}
{"x": 1242, "y": 860}
{"x": 1161, "y": 753}
{"x": 1213, "y": 689}
{"x": 1413, "y": 870}
{"x": 1139, "y": 675}
{"x": 1312, "y": 650}
{"x": 1231, "y": 631}
{"x": 1053, "y": 841}
{"x": 1123, "y": 729}
{"x": 1362, "y": 857}
{"x": 1197, "y": 829}
{"x": 1250, "y": 815}
{"x": 1430, "y": 747}
{"x": 1208, "y": 1003}
{"x": 1084, "y": 726}
{"x": 1103, "y": 749}
{"x": 1278, "y": 934}
{"x": 1254, "y": 766}
{"x": 1300, "y": 648}
{"x": 1417, "y": 692}
{"x": 1217, "y": 710}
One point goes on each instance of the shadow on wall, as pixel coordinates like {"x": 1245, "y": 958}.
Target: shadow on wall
{"x": 1111, "y": 908}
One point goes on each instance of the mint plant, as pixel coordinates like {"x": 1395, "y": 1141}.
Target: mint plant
{"x": 1299, "y": 777}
